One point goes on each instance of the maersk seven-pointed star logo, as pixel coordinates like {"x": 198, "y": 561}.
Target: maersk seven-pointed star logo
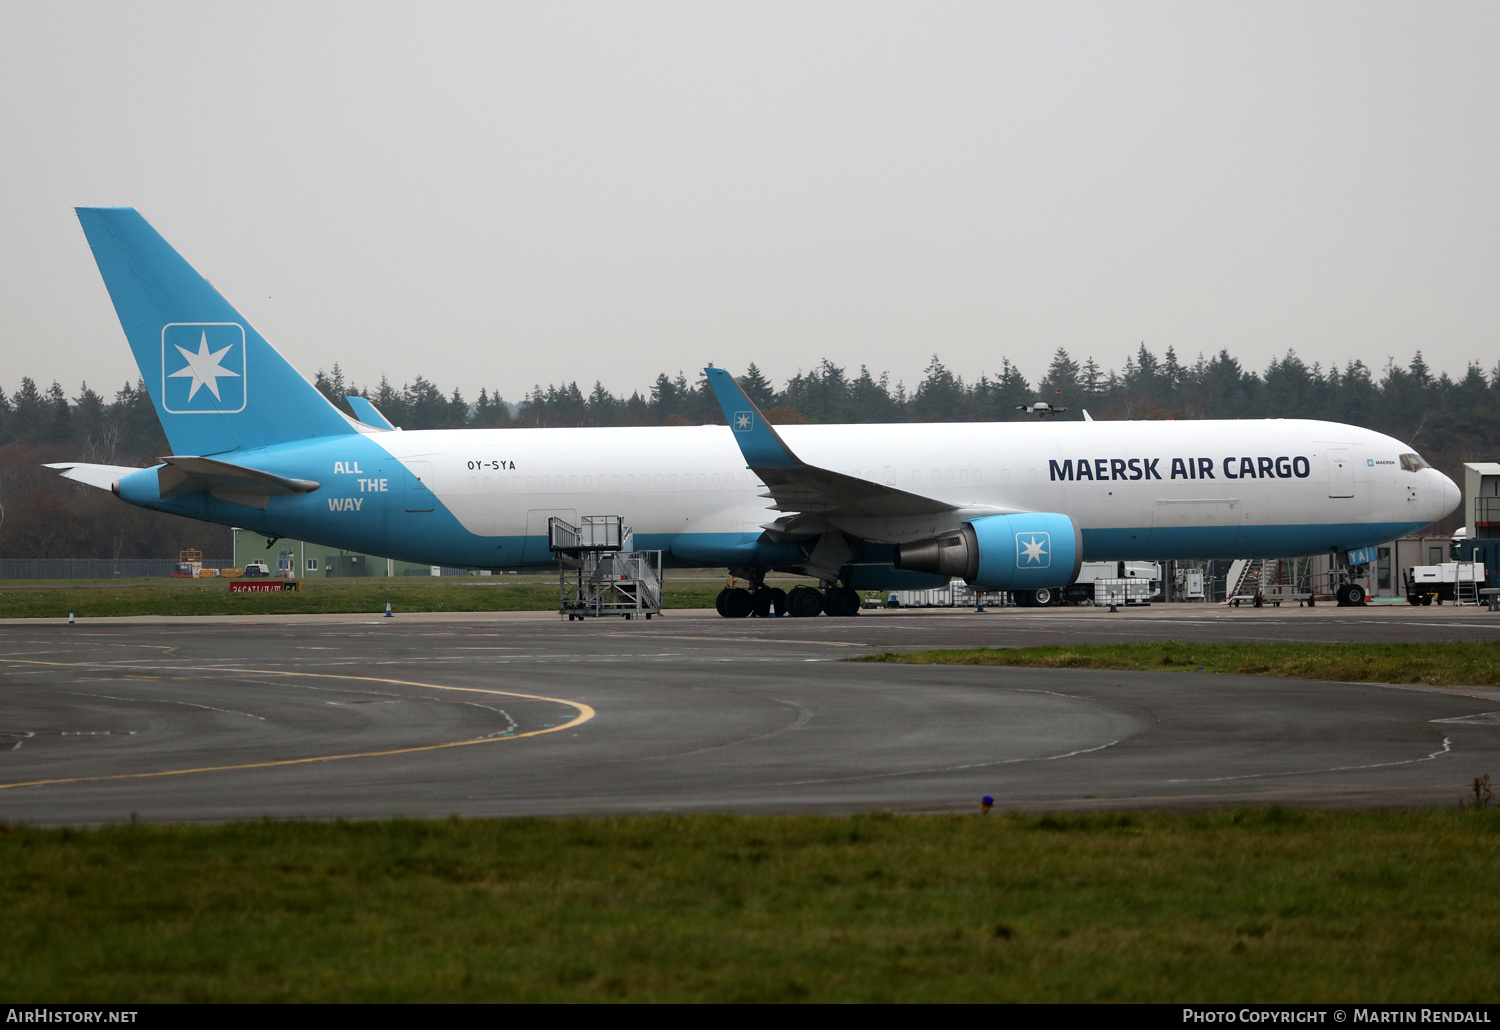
{"x": 1033, "y": 550}
{"x": 203, "y": 367}
{"x": 744, "y": 421}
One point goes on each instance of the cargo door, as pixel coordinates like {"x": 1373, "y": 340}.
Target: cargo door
{"x": 1340, "y": 473}
{"x": 418, "y": 485}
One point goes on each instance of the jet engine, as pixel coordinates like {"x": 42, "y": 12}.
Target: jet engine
{"x": 1002, "y": 552}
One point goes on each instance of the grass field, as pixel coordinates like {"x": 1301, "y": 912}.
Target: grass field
{"x": 1242, "y": 906}
{"x": 1454, "y": 662}
{"x": 98, "y": 598}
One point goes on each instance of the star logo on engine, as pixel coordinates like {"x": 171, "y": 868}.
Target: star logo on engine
{"x": 203, "y": 368}
{"x": 1032, "y": 550}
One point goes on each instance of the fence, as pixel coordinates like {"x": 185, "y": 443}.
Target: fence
{"x": 96, "y": 568}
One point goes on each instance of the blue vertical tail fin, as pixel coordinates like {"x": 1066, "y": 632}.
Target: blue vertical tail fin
{"x": 217, "y": 384}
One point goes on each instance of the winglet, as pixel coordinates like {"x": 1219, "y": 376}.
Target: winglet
{"x": 759, "y": 442}
{"x": 368, "y": 413}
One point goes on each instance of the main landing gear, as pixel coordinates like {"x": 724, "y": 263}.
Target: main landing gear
{"x": 802, "y": 602}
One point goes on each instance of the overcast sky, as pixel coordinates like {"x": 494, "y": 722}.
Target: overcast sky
{"x": 501, "y": 195}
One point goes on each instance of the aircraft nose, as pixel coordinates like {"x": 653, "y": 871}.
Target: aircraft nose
{"x": 1452, "y": 496}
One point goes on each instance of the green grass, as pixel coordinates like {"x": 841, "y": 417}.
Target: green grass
{"x": 1242, "y": 906}
{"x": 1455, "y": 662}
{"x": 98, "y": 598}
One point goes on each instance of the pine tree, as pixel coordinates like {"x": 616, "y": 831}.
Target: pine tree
{"x": 757, "y": 387}
{"x": 940, "y": 397}
{"x": 1060, "y": 384}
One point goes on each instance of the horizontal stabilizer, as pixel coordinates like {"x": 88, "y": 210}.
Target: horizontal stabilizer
{"x": 102, "y": 477}
{"x": 185, "y": 474}
{"x": 368, "y": 413}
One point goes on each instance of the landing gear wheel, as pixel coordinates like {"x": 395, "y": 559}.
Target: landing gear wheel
{"x": 762, "y": 603}
{"x": 841, "y": 601}
{"x": 1355, "y": 594}
{"x": 804, "y": 602}
{"x": 1044, "y": 597}
{"x": 768, "y": 600}
{"x": 734, "y": 602}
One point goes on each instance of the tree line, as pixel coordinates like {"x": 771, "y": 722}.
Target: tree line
{"x": 1433, "y": 412}
{"x": 1450, "y": 420}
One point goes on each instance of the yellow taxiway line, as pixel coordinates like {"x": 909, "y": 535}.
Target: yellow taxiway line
{"x": 585, "y": 713}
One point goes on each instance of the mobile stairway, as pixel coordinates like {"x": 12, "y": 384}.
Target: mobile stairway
{"x": 1270, "y": 581}
{"x": 599, "y": 571}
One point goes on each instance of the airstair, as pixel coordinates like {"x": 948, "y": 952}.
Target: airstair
{"x": 1271, "y": 580}
{"x": 1243, "y": 580}
{"x": 600, "y": 572}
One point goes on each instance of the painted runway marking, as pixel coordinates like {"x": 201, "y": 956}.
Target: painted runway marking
{"x": 1447, "y": 748}
{"x": 20, "y": 736}
{"x": 948, "y": 768}
{"x": 585, "y": 713}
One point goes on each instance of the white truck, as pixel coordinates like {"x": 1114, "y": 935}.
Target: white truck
{"x": 1450, "y": 581}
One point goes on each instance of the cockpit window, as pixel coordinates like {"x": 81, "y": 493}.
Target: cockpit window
{"x": 1413, "y": 463}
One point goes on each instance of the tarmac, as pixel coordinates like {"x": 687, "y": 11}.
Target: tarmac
{"x": 525, "y": 714}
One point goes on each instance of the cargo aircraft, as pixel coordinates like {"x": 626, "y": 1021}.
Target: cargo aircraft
{"x": 1005, "y": 506}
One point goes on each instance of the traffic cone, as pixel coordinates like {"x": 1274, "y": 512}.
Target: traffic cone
{"x": 70, "y": 617}
{"x": 388, "y": 614}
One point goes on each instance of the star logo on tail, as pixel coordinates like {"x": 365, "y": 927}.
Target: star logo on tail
{"x": 204, "y": 368}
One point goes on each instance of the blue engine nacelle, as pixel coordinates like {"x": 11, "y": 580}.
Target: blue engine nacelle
{"x": 1002, "y": 552}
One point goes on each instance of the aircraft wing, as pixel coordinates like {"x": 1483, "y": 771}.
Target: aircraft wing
{"x": 796, "y": 486}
